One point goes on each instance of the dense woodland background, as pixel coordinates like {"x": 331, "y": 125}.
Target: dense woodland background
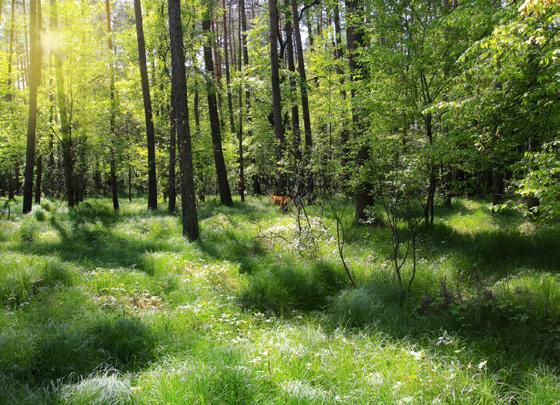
{"x": 409, "y": 253}
{"x": 434, "y": 99}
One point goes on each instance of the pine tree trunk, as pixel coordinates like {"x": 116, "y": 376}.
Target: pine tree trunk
{"x": 65, "y": 126}
{"x": 38, "y": 179}
{"x": 178, "y": 81}
{"x": 221, "y": 171}
{"x": 296, "y": 131}
{"x": 355, "y": 40}
{"x": 150, "y": 137}
{"x": 34, "y": 81}
{"x": 281, "y": 183}
{"x": 171, "y": 185}
{"x": 304, "y": 99}
{"x": 113, "y": 107}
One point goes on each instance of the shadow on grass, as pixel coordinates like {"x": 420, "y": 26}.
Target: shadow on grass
{"x": 496, "y": 252}
{"x": 91, "y": 240}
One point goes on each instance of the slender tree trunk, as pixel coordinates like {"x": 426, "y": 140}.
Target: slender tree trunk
{"x": 113, "y": 107}
{"x": 172, "y": 195}
{"x": 150, "y": 137}
{"x": 339, "y": 54}
{"x": 281, "y": 186}
{"x": 498, "y": 187}
{"x": 304, "y": 99}
{"x": 240, "y": 126}
{"x": 245, "y": 52}
{"x": 221, "y": 171}
{"x": 34, "y": 81}
{"x": 296, "y": 142}
{"x": 11, "y": 53}
{"x": 129, "y": 183}
{"x": 65, "y": 126}
{"x": 429, "y": 208}
{"x": 38, "y": 179}
{"x": 178, "y": 81}
{"x": 355, "y": 39}
{"x": 228, "y": 76}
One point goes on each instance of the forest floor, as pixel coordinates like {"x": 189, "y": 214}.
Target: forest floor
{"x": 119, "y": 308}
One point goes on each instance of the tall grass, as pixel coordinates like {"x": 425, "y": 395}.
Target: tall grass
{"x": 99, "y": 307}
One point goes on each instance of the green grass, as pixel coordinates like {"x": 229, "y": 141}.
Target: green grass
{"x": 98, "y": 307}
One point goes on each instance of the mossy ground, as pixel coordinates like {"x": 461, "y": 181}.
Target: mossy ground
{"x": 100, "y": 307}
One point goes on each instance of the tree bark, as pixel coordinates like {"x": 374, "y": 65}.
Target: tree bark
{"x": 304, "y": 99}
{"x": 281, "y": 183}
{"x": 150, "y": 137}
{"x": 10, "y": 94}
{"x": 65, "y": 126}
{"x": 171, "y": 185}
{"x": 355, "y": 39}
{"x": 296, "y": 131}
{"x": 178, "y": 81}
{"x": 38, "y": 179}
{"x": 228, "y": 76}
{"x": 34, "y": 82}
{"x": 221, "y": 171}
{"x": 113, "y": 107}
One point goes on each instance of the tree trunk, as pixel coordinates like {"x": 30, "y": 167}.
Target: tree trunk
{"x": 171, "y": 185}
{"x": 65, "y": 126}
{"x": 228, "y": 76}
{"x": 498, "y": 187}
{"x": 355, "y": 39}
{"x": 11, "y": 53}
{"x": 34, "y": 81}
{"x": 38, "y": 179}
{"x": 304, "y": 99}
{"x": 178, "y": 81}
{"x": 150, "y": 137}
{"x": 296, "y": 131}
{"x": 281, "y": 186}
{"x": 221, "y": 171}
{"x": 429, "y": 208}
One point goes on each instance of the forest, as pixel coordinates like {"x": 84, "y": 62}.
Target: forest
{"x": 280, "y": 202}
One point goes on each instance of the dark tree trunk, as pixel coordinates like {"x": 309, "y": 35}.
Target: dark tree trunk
{"x": 113, "y": 107}
{"x": 150, "y": 137}
{"x": 240, "y": 36}
{"x": 65, "y": 126}
{"x": 221, "y": 171}
{"x": 171, "y": 186}
{"x": 228, "y": 76}
{"x": 130, "y": 183}
{"x": 498, "y": 186}
{"x": 296, "y": 132}
{"x": 304, "y": 99}
{"x": 38, "y": 179}
{"x": 429, "y": 208}
{"x": 178, "y": 81}
{"x": 34, "y": 81}
{"x": 355, "y": 40}
{"x": 281, "y": 183}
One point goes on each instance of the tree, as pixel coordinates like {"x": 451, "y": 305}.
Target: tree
{"x": 281, "y": 178}
{"x": 304, "y": 98}
{"x": 112, "y": 112}
{"x": 150, "y": 137}
{"x": 221, "y": 171}
{"x": 181, "y": 114}
{"x": 65, "y": 125}
{"x": 34, "y": 82}
{"x": 355, "y": 39}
